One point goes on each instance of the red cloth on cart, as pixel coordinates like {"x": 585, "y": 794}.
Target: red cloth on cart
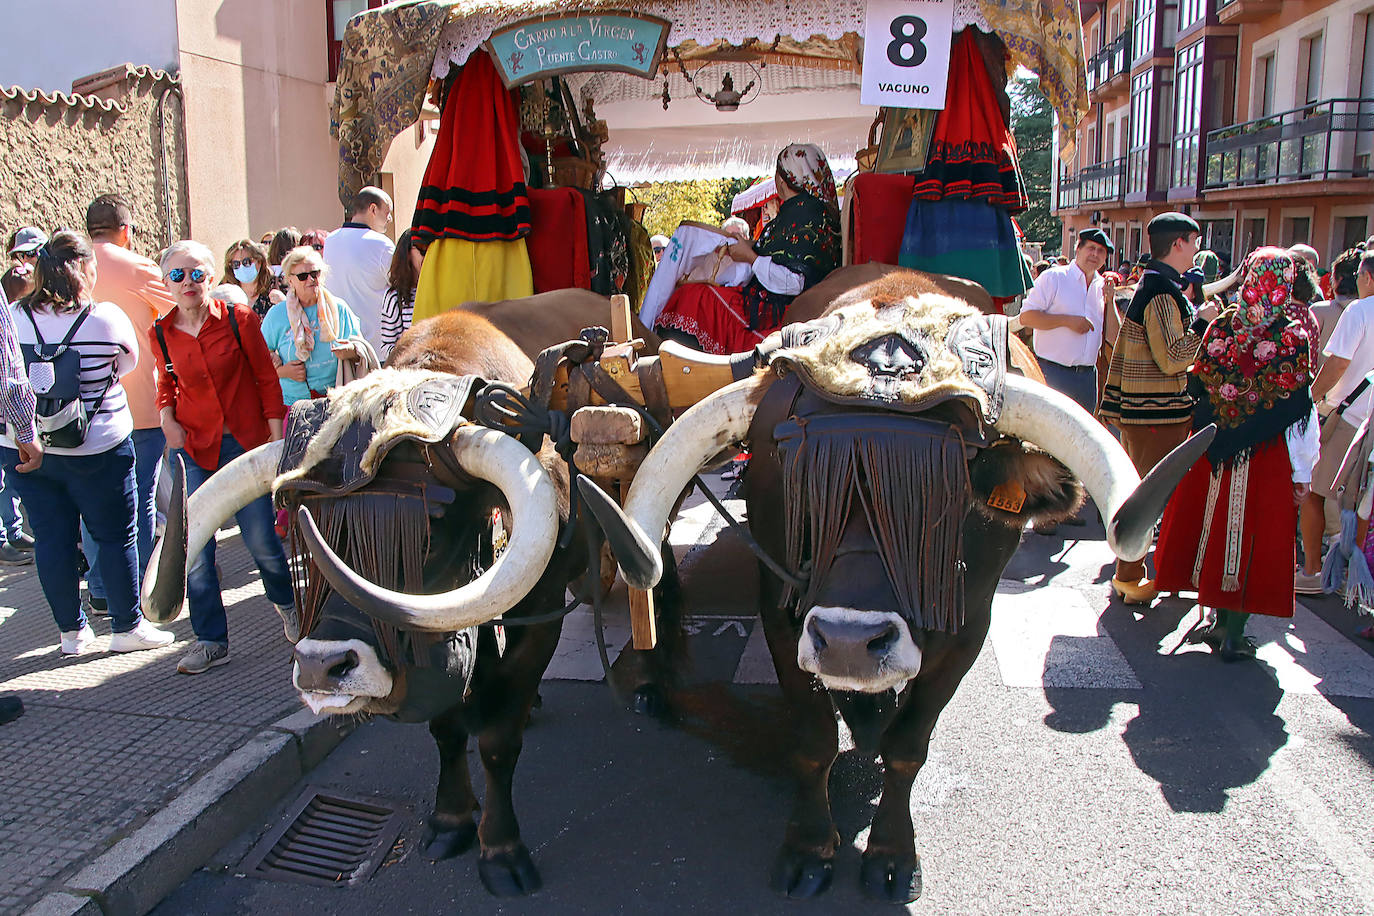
{"x": 558, "y": 242}
{"x": 972, "y": 151}
{"x": 714, "y": 315}
{"x": 474, "y": 185}
{"x": 878, "y": 216}
{"x": 1268, "y": 546}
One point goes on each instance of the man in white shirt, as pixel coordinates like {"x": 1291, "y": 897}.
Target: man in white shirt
{"x": 1349, "y": 357}
{"x": 1064, "y": 309}
{"x": 358, "y": 258}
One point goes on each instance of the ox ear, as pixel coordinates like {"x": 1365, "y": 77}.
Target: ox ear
{"x": 1014, "y": 483}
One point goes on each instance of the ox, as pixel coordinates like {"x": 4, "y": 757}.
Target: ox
{"x": 399, "y": 631}
{"x": 891, "y": 479}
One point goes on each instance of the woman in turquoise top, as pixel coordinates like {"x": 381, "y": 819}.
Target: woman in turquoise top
{"x": 309, "y": 330}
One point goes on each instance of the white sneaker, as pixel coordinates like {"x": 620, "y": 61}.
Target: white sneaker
{"x": 143, "y": 636}
{"x": 75, "y": 642}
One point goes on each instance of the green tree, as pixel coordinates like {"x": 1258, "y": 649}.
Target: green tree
{"x": 706, "y": 200}
{"x": 1032, "y": 122}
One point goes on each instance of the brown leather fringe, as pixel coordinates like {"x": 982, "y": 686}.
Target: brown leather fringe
{"x": 914, "y": 492}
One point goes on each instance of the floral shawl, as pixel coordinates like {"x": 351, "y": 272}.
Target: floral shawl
{"x": 1253, "y": 372}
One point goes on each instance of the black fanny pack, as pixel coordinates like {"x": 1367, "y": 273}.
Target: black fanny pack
{"x": 60, "y": 416}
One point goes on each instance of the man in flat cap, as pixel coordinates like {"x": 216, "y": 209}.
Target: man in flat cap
{"x": 1146, "y": 395}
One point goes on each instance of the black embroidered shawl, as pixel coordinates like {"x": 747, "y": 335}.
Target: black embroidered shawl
{"x": 803, "y": 237}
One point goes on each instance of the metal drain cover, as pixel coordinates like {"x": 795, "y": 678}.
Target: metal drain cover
{"x": 326, "y": 839}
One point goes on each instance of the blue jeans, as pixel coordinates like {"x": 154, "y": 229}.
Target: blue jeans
{"x": 257, "y": 522}
{"x": 1078, "y": 382}
{"x": 9, "y": 511}
{"x": 148, "y": 446}
{"x": 63, "y": 492}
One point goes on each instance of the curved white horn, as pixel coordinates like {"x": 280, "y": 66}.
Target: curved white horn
{"x": 1056, "y": 423}
{"x": 495, "y": 457}
{"x": 219, "y": 499}
{"x": 695, "y": 438}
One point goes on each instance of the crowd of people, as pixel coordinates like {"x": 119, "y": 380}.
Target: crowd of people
{"x": 1280, "y": 359}
{"x": 115, "y": 367}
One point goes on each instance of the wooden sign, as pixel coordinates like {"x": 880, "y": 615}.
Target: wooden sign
{"x": 618, "y": 40}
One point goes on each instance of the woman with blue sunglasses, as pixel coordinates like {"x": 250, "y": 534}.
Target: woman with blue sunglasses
{"x": 219, "y": 397}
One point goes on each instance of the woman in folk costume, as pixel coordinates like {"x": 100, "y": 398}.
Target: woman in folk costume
{"x": 797, "y": 249}
{"x": 1228, "y": 532}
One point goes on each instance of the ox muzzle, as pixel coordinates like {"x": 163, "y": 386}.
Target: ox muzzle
{"x": 340, "y": 676}
{"x": 858, "y": 651}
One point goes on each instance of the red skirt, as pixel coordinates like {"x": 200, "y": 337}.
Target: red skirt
{"x": 1268, "y": 548}
{"x": 714, "y": 315}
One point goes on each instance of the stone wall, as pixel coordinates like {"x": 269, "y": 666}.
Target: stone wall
{"x": 123, "y": 132}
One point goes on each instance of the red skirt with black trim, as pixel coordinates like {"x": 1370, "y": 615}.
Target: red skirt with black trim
{"x": 1268, "y": 548}
{"x": 714, "y": 315}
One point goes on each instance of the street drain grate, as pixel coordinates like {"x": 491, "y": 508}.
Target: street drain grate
{"x": 326, "y": 839}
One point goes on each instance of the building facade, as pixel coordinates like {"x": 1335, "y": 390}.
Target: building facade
{"x": 1256, "y": 117}
{"x": 251, "y": 149}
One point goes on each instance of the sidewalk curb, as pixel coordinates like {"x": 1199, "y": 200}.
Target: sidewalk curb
{"x": 137, "y": 872}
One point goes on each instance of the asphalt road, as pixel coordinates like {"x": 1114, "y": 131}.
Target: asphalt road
{"x": 1079, "y": 769}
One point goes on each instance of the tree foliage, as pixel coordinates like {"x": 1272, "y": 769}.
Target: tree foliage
{"x": 705, "y": 200}
{"x": 1032, "y": 121}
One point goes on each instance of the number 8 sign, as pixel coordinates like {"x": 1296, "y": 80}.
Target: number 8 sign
{"x": 906, "y": 52}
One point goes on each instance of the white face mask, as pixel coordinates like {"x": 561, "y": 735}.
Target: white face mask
{"x": 246, "y": 273}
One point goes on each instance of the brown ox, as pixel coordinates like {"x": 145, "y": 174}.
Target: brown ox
{"x": 890, "y": 480}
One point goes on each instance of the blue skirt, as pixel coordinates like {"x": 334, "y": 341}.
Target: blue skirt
{"x": 971, "y": 239}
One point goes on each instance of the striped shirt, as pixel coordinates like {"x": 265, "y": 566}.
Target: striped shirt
{"x": 16, "y": 397}
{"x": 108, "y": 346}
{"x": 396, "y": 319}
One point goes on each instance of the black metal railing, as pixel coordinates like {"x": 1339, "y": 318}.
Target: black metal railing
{"x": 1068, "y": 195}
{"x": 1102, "y": 182}
{"x": 1113, "y": 60}
{"x": 1222, "y": 4}
{"x": 1318, "y": 142}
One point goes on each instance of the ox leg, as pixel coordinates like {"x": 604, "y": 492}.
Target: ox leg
{"x": 504, "y": 697}
{"x": 805, "y": 863}
{"x": 891, "y": 869}
{"x": 648, "y": 675}
{"x": 451, "y": 829}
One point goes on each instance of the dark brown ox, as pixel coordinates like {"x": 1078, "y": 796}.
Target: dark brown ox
{"x": 423, "y": 654}
{"x": 892, "y": 512}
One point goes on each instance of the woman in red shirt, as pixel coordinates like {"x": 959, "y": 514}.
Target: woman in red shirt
{"x": 219, "y": 397}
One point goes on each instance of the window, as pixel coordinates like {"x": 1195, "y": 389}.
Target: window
{"x": 1216, "y": 236}
{"x": 1297, "y": 230}
{"x": 1252, "y": 234}
{"x": 1144, "y": 29}
{"x": 1136, "y": 240}
{"x": 339, "y": 12}
{"x": 1138, "y": 154}
{"x": 1191, "y": 12}
{"x": 1187, "y": 117}
{"x": 1310, "y": 68}
{"x": 1352, "y": 230}
{"x": 1264, "y": 85}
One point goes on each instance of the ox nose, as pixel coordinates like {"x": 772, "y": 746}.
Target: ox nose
{"x": 849, "y": 640}
{"x": 324, "y": 672}
{"x": 854, "y": 650}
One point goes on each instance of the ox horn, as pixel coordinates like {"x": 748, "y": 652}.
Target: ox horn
{"x": 689, "y": 444}
{"x": 1129, "y": 506}
{"x": 191, "y": 523}
{"x": 489, "y": 455}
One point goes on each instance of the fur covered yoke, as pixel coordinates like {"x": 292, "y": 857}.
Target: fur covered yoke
{"x": 909, "y": 354}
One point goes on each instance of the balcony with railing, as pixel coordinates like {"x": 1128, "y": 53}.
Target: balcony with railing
{"x": 1067, "y": 198}
{"x": 1108, "y": 67}
{"x": 1232, "y": 12}
{"x": 1102, "y": 183}
{"x": 1326, "y": 141}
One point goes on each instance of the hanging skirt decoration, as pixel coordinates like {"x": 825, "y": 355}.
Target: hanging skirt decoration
{"x": 965, "y": 238}
{"x": 474, "y": 186}
{"x": 456, "y": 271}
{"x": 972, "y": 153}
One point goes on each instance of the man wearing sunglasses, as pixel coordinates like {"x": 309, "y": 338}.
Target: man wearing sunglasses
{"x": 358, "y": 256}
{"x": 133, "y": 283}
{"x": 27, "y": 241}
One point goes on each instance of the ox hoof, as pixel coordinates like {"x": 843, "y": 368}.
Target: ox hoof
{"x": 650, "y": 700}
{"x": 890, "y": 879}
{"x": 509, "y": 874}
{"x": 445, "y": 844}
{"x": 801, "y": 875}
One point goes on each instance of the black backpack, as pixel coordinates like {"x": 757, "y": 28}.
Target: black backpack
{"x": 61, "y": 417}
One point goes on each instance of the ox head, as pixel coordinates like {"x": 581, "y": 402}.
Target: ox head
{"x": 437, "y": 573}
{"x": 891, "y": 456}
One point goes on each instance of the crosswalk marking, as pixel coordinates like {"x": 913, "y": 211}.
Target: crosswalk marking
{"x": 1048, "y": 637}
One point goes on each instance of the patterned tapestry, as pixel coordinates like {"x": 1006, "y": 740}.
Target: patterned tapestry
{"x": 1046, "y": 36}
{"x": 383, "y": 75}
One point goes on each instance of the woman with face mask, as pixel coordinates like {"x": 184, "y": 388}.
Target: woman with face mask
{"x": 245, "y": 263}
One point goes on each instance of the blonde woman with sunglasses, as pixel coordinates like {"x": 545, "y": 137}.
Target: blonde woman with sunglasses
{"x": 218, "y": 396}
{"x": 308, "y": 332}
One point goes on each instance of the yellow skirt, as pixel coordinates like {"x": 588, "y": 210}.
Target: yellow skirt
{"x": 457, "y": 271}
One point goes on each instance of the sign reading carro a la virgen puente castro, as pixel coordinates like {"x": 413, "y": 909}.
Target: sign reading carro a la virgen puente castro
{"x": 614, "y": 40}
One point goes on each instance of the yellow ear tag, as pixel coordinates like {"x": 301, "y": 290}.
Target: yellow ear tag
{"x": 1009, "y": 496}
